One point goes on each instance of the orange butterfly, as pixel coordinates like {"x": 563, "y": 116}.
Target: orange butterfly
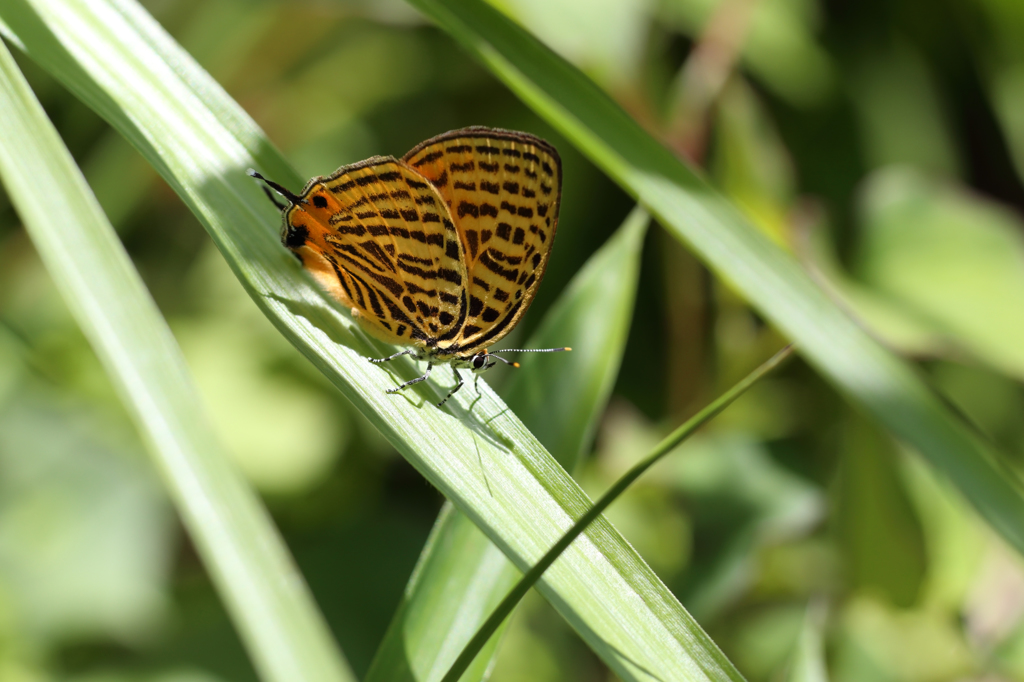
{"x": 442, "y": 250}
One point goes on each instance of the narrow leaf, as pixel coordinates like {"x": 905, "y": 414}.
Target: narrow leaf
{"x": 270, "y": 604}
{"x": 808, "y": 663}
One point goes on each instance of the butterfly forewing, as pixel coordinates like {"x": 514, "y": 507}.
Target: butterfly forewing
{"x": 381, "y": 239}
{"x": 503, "y": 190}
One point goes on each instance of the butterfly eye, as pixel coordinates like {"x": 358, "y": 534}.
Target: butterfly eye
{"x": 296, "y": 236}
{"x": 479, "y": 361}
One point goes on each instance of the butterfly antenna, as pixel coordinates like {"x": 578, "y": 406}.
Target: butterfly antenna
{"x": 283, "y": 191}
{"x": 507, "y": 362}
{"x": 525, "y": 350}
{"x": 270, "y": 195}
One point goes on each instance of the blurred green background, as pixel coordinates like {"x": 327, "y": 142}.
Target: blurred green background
{"x": 881, "y": 141}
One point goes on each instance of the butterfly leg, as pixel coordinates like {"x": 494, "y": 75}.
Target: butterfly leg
{"x": 458, "y": 377}
{"x": 414, "y": 381}
{"x": 377, "y": 361}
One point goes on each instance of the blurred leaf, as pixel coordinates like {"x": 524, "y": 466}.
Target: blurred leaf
{"x": 740, "y": 500}
{"x": 244, "y": 555}
{"x": 462, "y": 576}
{"x": 951, "y": 259}
{"x": 877, "y": 527}
{"x": 175, "y": 676}
{"x": 750, "y": 162}
{"x": 772, "y": 281}
{"x": 1008, "y": 656}
{"x": 992, "y": 400}
{"x": 1000, "y": 58}
{"x": 247, "y": 406}
{"x": 780, "y": 48}
{"x": 113, "y": 56}
{"x": 119, "y": 177}
{"x": 877, "y": 642}
{"x": 765, "y": 640}
{"x": 808, "y": 663}
{"x": 256, "y": 403}
{"x": 85, "y": 536}
{"x": 1007, "y": 93}
{"x": 607, "y": 40}
{"x": 954, "y": 538}
{"x": 902, "y": 118}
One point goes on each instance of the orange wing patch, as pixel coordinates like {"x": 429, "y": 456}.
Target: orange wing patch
{"x": 380, "y": 238}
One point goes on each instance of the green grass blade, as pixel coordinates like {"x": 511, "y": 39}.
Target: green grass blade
{"x": 474, "y": 450}
{"x": 858, "y": 366}
{"x": 271, "y": 606}
{"x": 462, "y": 576}
{"x": 667, "y": 444}
{"x": 808, "y": 664}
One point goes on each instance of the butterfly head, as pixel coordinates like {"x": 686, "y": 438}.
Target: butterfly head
{"x": 293, "y": 235}
{"x": 481, "y": 362}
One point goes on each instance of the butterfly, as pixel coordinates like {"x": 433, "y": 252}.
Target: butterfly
{"x": 442, "y": 250}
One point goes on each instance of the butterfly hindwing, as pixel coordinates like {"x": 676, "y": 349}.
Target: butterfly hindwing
{"x": 503, "y": 190}
{"x": 380, "y": 238}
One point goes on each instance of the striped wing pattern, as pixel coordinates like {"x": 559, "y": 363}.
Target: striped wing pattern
{"x": 380, "y": 238}
{"x": 503, "y": 190}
